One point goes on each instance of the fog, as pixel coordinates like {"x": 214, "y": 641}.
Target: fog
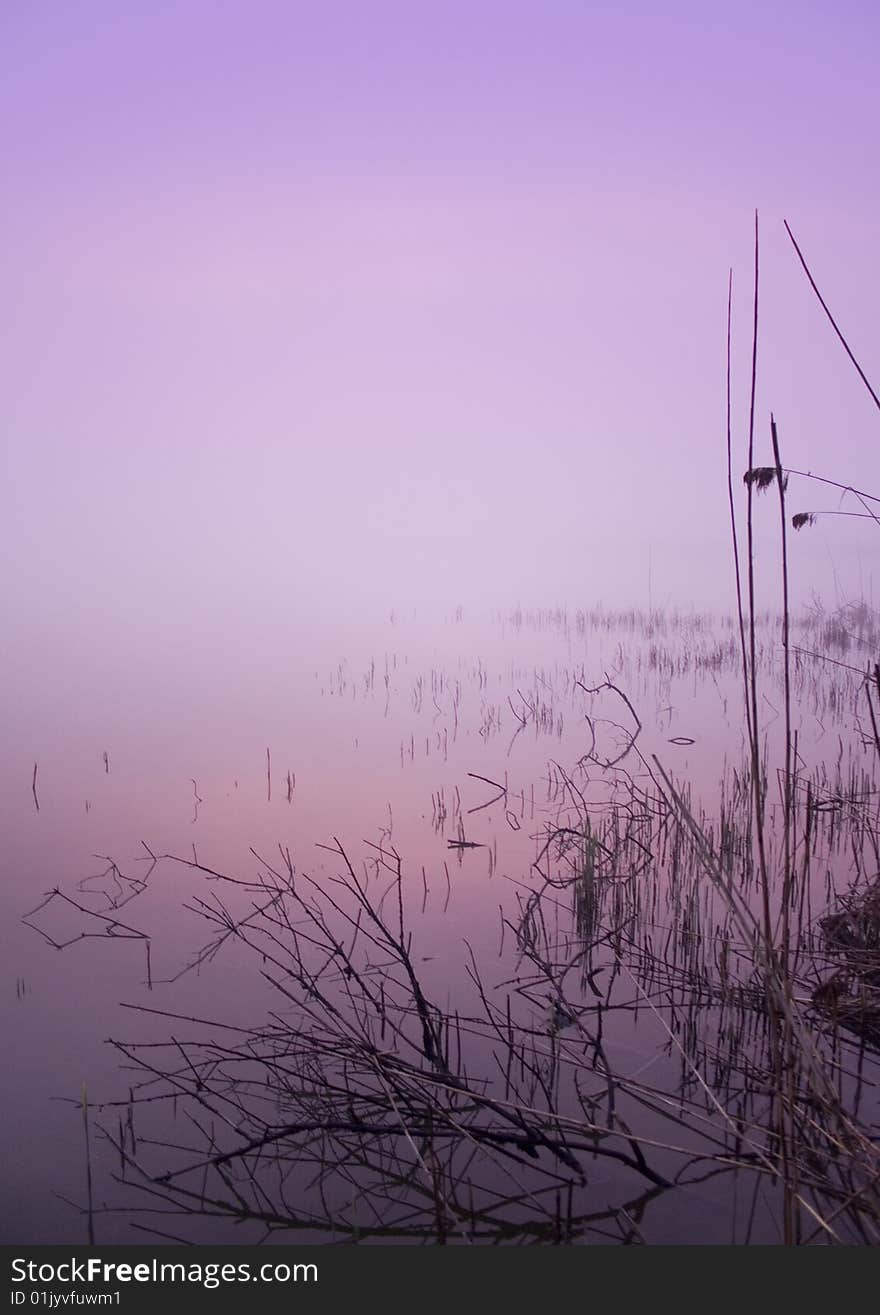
{"x": 313, "y": 309}
{"x": 342, "y": 343}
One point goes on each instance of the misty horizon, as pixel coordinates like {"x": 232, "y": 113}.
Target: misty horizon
{"x": 366, "y": 506}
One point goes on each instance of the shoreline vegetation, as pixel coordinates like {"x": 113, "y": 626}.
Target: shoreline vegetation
{"x": 364, "y": 1106}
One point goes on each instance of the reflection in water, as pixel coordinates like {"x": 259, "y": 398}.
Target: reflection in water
{"x": 606, "y": 1047}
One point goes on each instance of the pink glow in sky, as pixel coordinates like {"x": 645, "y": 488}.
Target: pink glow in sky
{"x": 317, "y": 309}
{"x": 309, "y": 307}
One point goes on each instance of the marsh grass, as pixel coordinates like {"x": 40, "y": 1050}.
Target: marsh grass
{"x": 504, "y": 1104}
{"x": 373, "y": 1101}
{"x": 367, "y": 1106}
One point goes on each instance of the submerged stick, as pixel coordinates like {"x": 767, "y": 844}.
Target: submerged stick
{"x": 85, "y": 1114}
{"x": 34, "y": 788}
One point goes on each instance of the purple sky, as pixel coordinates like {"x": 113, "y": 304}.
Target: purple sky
{"x": 310, "y": 306}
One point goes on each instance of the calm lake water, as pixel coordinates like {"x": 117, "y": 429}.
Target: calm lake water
{"x": 457, "y": 744}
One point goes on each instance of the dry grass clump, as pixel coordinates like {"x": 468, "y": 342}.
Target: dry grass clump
{"x": 851, "y": 995}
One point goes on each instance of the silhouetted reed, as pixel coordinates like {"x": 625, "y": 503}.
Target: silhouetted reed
{"x": 374, "y": 1101}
